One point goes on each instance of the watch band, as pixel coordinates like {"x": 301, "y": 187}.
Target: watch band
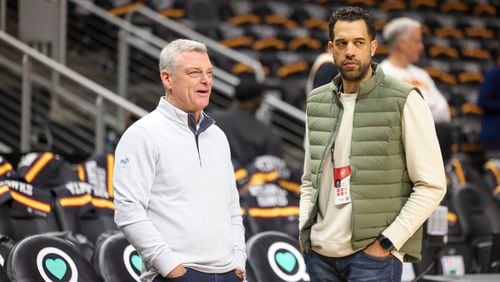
{"x": 385, "y": 242}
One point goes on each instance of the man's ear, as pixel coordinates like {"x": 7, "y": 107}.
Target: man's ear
{"x": 166, "y": 79}
{"x": 373, "y": 47}
{"x": 330, "y": 47}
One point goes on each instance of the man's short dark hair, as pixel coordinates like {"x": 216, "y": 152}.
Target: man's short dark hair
{"x": 351, "y": 14}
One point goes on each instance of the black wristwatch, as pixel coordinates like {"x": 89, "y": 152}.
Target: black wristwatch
{"x": 385, "y": 242}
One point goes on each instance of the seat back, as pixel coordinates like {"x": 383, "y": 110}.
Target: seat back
{"x": 205, "y": 15}
{"x": 46, "y": 258}
{"x": 480, "y": 219}
{"x": 79, "y": 210}
{"x": 45, "y": 170}
{"x": 494, "y": 261}
{"x": 275, "y": 256}
{"x": 492, "y": 178}
{"x": 270, "y": 195}
{"x": 6, "y": 245}
{"x": 480, "y": 215}
{"x": 25, "y": 210}
{"x": 115, "y": 259}
{"x": 6, "y": 169}
{"x": 3, "y": 275}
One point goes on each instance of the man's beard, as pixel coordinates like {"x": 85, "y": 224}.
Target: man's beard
{"x": 355, "y": 75}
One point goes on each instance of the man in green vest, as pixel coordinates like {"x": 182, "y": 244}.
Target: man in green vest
{"x": 373, "y": 171}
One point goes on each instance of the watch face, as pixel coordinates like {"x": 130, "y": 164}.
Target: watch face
{"x": 386, "y": 244}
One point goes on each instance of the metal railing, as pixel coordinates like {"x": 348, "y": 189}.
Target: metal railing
{"x": 145, "y": 42}
{"x": 149, "y": 44}
{"x": 3, "y": 14}
{"x": 29, "y": 55}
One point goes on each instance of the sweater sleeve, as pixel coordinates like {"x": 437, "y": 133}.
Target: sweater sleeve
{"x": 133, "y": 178}
{"x": 425, "y": 168}
{"x": 306, "y": 187}
{"x": 237, "y": 228}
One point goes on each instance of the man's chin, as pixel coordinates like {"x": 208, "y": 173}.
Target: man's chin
{"x": 353, "y": 76}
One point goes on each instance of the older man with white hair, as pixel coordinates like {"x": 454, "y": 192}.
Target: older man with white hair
{"x": 175, "y": 193}
{"x": 404, "y": 36}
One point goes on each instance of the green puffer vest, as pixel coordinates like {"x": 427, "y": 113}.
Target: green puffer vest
{"x": 380, "y": 184}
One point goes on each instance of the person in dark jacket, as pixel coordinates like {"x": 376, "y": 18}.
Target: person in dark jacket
{"x": 489, "y": 101}
{"x": 248, "y": 137}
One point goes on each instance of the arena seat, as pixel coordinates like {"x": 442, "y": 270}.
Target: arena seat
{"x": 269, "y": 194}
{"x": 479, "y": 219}
{"x": 6, "y": 244}
{"x": 492, "y": 178}
{"x": 115, "y": 259}
{"x": 204, "y": 14}
{"x": 275, "y": 256}
{"x": 25, "y": 210}
{"x": 86, "y": 206}
{"x": 3, "y": 275}
{"x": 6, "y": 168}
{"x": 44, "y": 170}
{"x": 79, "y": 210}
{"x": 47, "y": 258}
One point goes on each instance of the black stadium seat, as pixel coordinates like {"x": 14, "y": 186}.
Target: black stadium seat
{"x": 98, "y": 171}
{"x": 492, "y": 179}
{"x": 25, "y": 210}
{"x": 479, "y": 219}
{"x": 275, "y": 256}
{"x": 6, "y": 245}
{"x": 115, "y": 259}
{"x": 48, "y": 258}
{"x": 79, "y": 210}
{"x": 269, "y": 195}
{"x": 86, "y": 206}
{"x": 6, "y": 169}
{"x": 3, "y": 275}
{"x": 45, "y": 170}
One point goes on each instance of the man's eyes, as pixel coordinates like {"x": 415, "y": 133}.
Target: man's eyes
{"x": 197, "y": 73}
{"x": 344, "y": 43}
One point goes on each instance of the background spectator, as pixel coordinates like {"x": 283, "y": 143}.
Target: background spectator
{"x": 489, "y": 101}
{"x": 248, "y": 137}
{"x": 404, "y": 36}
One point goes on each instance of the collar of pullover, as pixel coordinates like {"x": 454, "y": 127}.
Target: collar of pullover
{"x": 184, "y": 119}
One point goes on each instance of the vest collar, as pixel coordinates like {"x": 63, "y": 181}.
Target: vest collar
{"x": 366, "y": 86}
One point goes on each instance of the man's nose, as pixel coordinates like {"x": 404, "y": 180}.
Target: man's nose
{"x": 349, "y": 51}
{"x": 206, "y": 77}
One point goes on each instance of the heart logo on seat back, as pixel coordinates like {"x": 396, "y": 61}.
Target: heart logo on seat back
{"x": 286, "y": 260}
{"x": 136, "y": 261}
{"x": 56, "y": 267}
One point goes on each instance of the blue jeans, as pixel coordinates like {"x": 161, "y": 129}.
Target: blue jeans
{"x": 356, "y": 267}
{"x": 192, "y": 275}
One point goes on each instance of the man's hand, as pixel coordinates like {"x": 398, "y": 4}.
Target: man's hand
{"x": 240, "y": 273}
{"x": 177, "y": 271}
{"x": 376, "y": 250}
